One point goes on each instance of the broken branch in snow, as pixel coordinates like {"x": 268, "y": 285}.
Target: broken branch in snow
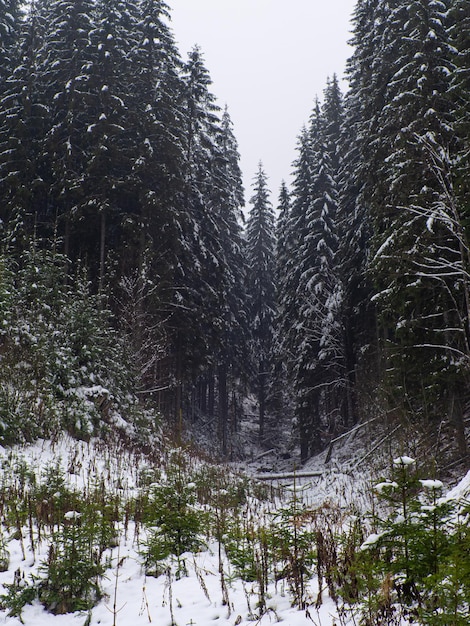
{"x": 263, "y": 454}
{"x": 377, "y": 445}
{"x": 349, "y": 432}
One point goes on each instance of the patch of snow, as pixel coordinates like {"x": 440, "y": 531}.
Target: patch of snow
{"x": 404, "y": 461}
{"x": 432, "y": 484}
{"x": 72, "y": 515}
{"x": 461, "y": 491}
{"x": 371, "y": 540}
{"x": 381, "y": 487}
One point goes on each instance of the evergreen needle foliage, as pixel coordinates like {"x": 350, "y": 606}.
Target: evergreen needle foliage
{"x": 409, "y": 563}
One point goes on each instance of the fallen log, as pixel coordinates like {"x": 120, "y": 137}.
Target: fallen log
{"x": 288, "y": 475}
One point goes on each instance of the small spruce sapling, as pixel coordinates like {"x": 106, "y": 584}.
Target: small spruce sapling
{"x": 415, "y": 552}
{"x": 293, "y": 540}
{"x": 73, "y": 567}
{"x": 175, "y": 523}
{"x": 446, "y": 594}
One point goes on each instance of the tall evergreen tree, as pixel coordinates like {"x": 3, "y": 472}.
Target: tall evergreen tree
{"x": 24, "y": 179}
{"x": 280, "y": 397}
{"x": 332, "y": 112}
{"x": 460, "y": 88}
{"x": 109, "y": 189}
{"x": 197, "y": 301}
{"x": 9, "y": 38}
{"x": 400, "y": 111}
{"x": 295, "y": 231}
{"x": 283, "y": 210}
{"x": 319, "y": 350}
{"x": 156, "y": 100}
{"x": 233, "y": 355}
{"x": 260, "y": 255}
{"x": 353, "y": 226}
{"x": 361, "y": 187}
{"x": 154, "y": 218}
{"x": 64, "y": 67}
{"x": 417, "y": 113}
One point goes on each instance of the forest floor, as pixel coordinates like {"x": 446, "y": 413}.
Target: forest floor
{"x": 199, "y": 588}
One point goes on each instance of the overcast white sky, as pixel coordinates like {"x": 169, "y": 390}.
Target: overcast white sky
{"x": 268, "y": 59}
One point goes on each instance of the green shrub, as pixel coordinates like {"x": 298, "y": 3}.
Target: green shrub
{"x": 417, "y": 562}
{"x": 241, "y": 547}
{"x": 72, "y": 571}
{"x": 175, "y": 523}
{"x": 19, "y": 593}
{"x": 59, "y": 351}
{"x": 293, "y": 540}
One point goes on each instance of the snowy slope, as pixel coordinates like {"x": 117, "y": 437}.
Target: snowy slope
{"x": 196, "y": 598}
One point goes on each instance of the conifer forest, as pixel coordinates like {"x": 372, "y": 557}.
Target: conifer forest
{"x": 139, "y": 277}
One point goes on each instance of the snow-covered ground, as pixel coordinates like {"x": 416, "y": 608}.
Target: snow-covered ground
{"x": 195, "y": 599}
{"x": 198, "y": 597}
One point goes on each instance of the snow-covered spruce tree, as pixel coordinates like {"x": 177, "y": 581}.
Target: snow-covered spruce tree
{"x": 279, "y": 397}
{"x": 197, "y": 303}
{"x": 219, "y": 377}
{"x": 329, "y": 158}
{"x": 228, "y": 200}
{"x": 261, "y": 263}
{"x": 62, "y": 363}
{"x": 362, "y": 187}
{"x": 333, "y": 112}
{"x": 154, "y": 219}
{"x": 319, "y": 365}
{"x": 357, "y": 318}
{"x": 291, "y": 335}
{"x": 310, "y": 338}
{"x": 353, "y": 224}
{"x": 65, "y": 63}
{"x": 282, "y": 243}
{"x": 370, "y": 71}
{"x": 157, "y": 122}
{"x": 9, "y": 27}
{"x": 23, "y": 121}
{"x": 419, "y": 307}
{"x": 109, "y": 184}
{"x": 294, "y": 232}
{"x": 417, "y": 101}
{"x": 460, "y": 88}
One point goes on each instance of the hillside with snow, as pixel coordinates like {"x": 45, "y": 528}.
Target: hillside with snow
{"x": 93, "y": 533}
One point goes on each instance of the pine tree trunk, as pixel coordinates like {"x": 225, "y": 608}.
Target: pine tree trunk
{"x": 236, "y": 413}
{"x": 194, "y": 403}
{"x": 223, "y": 407}
{"x": 262, "y": 401}
{"x": 211, "y": 395}
{"x": 102, "y": 250}
{"x": 350, "y": 381}
{"x": 314, "y": 432}
{"x": 67, "y": 237}
{"x": 179, "y": 391}
{"x": 457, "y": 419}
{"x": 203, "y": 396}
{"x": 304, "y": 441}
